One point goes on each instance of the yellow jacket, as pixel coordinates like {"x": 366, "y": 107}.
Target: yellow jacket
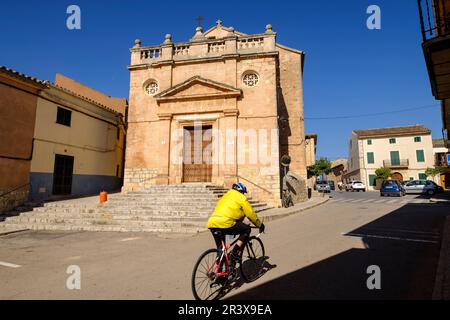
{"x": 231, "y": 207}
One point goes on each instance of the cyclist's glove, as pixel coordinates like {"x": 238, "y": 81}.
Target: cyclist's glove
{"x": 262, "y": 228}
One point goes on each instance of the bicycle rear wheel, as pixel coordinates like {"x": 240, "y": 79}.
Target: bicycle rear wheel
{"x": 253, "y": 258}
{"x": 204, "y": 280}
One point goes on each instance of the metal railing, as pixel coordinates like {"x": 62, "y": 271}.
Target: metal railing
{"x": 396, "y": 163}
{"x": 434, "y": 18}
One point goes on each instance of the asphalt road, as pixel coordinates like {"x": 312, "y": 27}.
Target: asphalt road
{"x": 322, "y": 253}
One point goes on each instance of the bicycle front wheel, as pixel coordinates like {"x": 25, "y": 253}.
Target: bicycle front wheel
{"x": 253, "y": 259}
{"x": 205, "y": 285}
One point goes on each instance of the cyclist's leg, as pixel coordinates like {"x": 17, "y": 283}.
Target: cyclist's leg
{"x": 219, "y": 237}
{"x": 243, "y": 230}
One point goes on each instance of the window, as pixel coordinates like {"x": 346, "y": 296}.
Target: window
{"x": 63, "y": 116}
{"x": 411, "y": 178}
{"x": 151, "y": 88}
{"x": 372, "y": 180}
{"x": 250, "y": 79}
{"x": 420, "y": 156}
{"x": 369, "y": 142}
{"x": 395, "y": 158}
{"x": 422, "y": 176}
{"x": 117, "y": 170}
{"x": 118, "y": 133}
{"x": 392, "y": 140}
{"x": 417, "y": 139}
{"x": 370, "y": 157}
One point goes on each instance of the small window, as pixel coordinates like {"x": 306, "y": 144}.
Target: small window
{"x": 369, "y": 142}
{"x": 370, "y": 158}
{"x": 422, "y": 176}
{"x": 63, "y": 116}
{"x": 250, "y": 79}
{"x": 417, "y": 139}
{"x": 117, "y": 170}
{"x": 118, "y": 133}
{"x": 420, "y": 156}
{"x": 392, "y": 140}
{"x": 151, "y": 88}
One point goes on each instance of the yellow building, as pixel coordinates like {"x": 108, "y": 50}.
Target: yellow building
{"x": 78, "y": 143}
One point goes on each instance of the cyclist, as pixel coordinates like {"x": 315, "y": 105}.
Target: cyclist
{"x": 227, "y": 219}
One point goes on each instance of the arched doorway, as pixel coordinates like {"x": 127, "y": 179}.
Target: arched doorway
{"x": 397, "y": 176}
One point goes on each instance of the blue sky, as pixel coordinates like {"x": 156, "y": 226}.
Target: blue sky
{"x": 349, "y": 69}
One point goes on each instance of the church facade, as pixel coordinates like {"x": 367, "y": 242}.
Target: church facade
{"x": 223, "y": 107}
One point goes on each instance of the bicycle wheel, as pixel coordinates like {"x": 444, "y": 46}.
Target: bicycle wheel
{"x": 204, "y": 281}
{"x": 253, "y": 258}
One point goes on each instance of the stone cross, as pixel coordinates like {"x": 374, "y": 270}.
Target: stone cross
{"x": 199, "y": 20}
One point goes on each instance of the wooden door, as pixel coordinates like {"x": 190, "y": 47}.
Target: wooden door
{"x": 197, "y": 154}
{"x": 62, "y": 175}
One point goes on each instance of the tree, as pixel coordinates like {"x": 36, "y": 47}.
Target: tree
{"x": 383, "y": 173}
{"x": 322, "y": 166}
{"x": 433, "y": 172}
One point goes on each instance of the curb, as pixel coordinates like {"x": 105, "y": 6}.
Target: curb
{"x": 6, "y": 232}
{"x": 297, "y": 210}
{"x": 442, "y": 281}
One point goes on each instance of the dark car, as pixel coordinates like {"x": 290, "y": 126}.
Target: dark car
{"x": 392, "y": 188}
{"x": 331, "y": 184}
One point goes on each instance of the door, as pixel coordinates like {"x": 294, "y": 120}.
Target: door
{"x": 197, "y": 154}
{"x": 397, "y": 176}
{"x": 62, "y": 175}
{"x": 395, "y": 158}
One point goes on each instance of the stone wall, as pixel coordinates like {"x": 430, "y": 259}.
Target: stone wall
{"x": 139, "y": 178}
{"x": 12, "y": 199}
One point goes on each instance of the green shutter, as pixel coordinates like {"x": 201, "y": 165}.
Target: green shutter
{"x": 392, "y": 140}
{"x": 417, "y": 139}
{"x": 420, "y": 156}
{"x": 372, "y": 180}
{"x": 370, "y": 157}
{"x": 422, "y": 176}
{"x": 369, "y": 141}
{"x": 395, "y": 158}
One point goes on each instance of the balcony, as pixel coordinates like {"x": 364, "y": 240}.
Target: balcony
{"x": 232, "y": 45}
{"x": 440, "y": 160}
{"x": 401, "y": 163}
{"x": 435, "y": 27}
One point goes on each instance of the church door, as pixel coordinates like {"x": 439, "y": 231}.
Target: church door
{"x": 197, "y": 154}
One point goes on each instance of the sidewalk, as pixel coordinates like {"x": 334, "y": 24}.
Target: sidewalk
{"x": 278, "y": 213}
{"x": 442, "y": 198}
{"x": 442, "y": 283}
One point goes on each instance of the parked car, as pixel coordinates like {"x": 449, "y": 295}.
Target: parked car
{"x": 392, "y": 188}
{"x": 422, "y": 186}
{"x": 355, "y": 186}
{"x": 332, "y": 185}
{"x": 323, "y": 186}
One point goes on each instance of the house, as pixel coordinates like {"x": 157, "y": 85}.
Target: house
{"x": 441, "y": 160}
{"x": 338, "y": 170}
{"x": 407, "y": 150}
{"x": 221, "y": 107}
{"x": 61, "y": 143}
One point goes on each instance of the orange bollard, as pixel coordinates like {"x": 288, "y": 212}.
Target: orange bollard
{"x": 103, "y": 196}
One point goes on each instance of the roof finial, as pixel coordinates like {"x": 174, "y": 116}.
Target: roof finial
{"x": 269, "y": 28}
{"x": 219, "y": 23}
{"x": 199, "y": 21}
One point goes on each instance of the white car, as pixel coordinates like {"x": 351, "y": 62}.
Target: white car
{"x": 355, "y": 186}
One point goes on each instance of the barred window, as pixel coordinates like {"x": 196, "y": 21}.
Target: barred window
{"x": 250, "y": 79}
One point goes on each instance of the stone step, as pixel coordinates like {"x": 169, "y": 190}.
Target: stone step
{"x": 153, "y": 217}
{"x": 104, "y": 228}
{"x": 104, "y": 221}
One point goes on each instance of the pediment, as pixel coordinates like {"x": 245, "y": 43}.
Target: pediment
{"x": 198, "y": 88}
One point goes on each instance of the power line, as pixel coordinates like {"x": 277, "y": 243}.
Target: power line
{"x": 372, "y": 114}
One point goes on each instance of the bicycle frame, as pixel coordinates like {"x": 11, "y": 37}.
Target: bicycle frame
{"x": 219, "y": 261}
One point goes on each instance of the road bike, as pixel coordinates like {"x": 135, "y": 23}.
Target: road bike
{"x": 214, "y": 271}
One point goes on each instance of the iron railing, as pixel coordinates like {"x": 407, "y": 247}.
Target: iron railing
{"x": 396, "y": 163}
{"x": 434, "y": 18}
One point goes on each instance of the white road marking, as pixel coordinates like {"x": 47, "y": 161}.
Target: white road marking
{"x": 386, "y": 237}
{"x": 357, "y": 200}
{"x": 368, "y": 200}
{"x": 129, "y": 239}
{"x": 392, "y": 201}
{"x": 9, "y": 265}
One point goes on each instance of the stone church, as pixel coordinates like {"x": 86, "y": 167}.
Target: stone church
{"x": 222, "y": 107}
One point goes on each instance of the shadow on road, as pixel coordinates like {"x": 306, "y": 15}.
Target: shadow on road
{"x": 404, "y": 244}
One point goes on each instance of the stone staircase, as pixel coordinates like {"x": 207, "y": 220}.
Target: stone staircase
{"x": 177, "y": 209}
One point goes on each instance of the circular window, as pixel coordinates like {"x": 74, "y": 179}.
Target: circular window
{"x": 151, "y": 88}
{"x": 250, "y": 79}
